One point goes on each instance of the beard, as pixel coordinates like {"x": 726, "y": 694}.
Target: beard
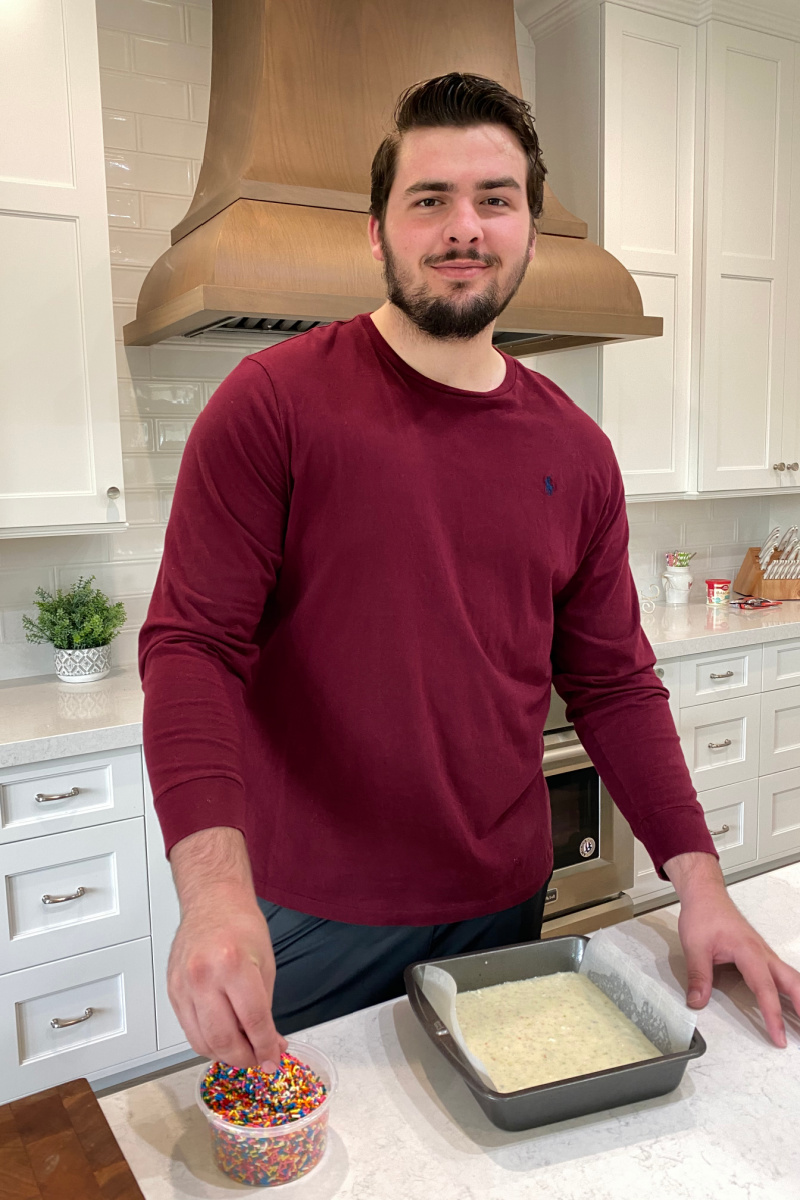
{"x": 441, "y": 316}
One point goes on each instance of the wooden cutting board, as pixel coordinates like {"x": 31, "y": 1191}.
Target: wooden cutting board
{"x": 58, "y": 1145}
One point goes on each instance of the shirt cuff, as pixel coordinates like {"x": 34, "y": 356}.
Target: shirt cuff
{"x": 679, "y": 830}
{"x": 198, "y": 804}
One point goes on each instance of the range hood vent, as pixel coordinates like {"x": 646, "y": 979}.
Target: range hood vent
{"x": 275, "y": 238}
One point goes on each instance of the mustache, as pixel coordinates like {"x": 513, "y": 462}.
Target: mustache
{"x": 489, "y": 260}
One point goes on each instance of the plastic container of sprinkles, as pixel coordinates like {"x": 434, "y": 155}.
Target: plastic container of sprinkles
{"x": 269, "y": 1155}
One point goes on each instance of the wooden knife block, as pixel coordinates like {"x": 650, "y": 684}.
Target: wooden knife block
{"x": 751, "y": 582}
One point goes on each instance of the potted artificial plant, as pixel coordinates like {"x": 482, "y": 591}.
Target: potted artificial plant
{"x": 81, "y": 624}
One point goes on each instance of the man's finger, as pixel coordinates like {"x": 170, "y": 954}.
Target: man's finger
{"x": 787, "y": 981}
{"x": 219, "y": 1028}
{"x": 757, "y": 975}
{"x": 191, "y": 1026}
{"x": 251, "y": 1002}
{"x": 699, "y": 972}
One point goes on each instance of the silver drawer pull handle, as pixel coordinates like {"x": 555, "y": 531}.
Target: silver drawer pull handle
{"x": 727, "y": 675}
{"x": 719, "y": 745}
{"x": 60, "y": 1023}
{"x": 43, "y": 798}
{"x": 47, "y": 899}
{"x": 719, "y": 832}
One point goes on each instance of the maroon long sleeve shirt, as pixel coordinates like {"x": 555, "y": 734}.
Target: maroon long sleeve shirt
{"x": 369, "y": 581}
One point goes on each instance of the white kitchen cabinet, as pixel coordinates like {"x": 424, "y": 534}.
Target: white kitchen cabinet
{"x": 781, "y": 665}
{"x": 790, "y": 444}
{"x": 60, "y": 454}
{"x": 684, "y": 170}
{"x": 649, "y": 73}
{"x": 744, "y": 403}
{"x": 73, "y": 1017}
{"x": 780, "y": 730}
{"x": 81, "y": 890}
{"x": 165, "y": 918}
{"x": 615, "y": 110}
{"x": 720, "y": 741}
{"x": 779, "y": 814}
{"x": 70, "y": 793}
{"x": 706, "y": 678}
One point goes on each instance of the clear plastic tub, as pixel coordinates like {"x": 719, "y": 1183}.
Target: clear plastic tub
{"x": 266, "y": 1156}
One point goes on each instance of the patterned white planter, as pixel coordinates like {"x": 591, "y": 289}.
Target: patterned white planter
{"x": 83, "y": 666}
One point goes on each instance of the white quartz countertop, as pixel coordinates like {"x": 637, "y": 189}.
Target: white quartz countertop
{"x": 42, "y": 718}
{"x": 694, "y": 628}
{"x": 405, "y": 1127}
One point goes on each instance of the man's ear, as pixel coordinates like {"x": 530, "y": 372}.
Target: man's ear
{"x": 532, "y": 249}
{"x": 373, "y": 230}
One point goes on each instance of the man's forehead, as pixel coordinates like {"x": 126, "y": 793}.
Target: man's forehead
{"x": 469, "y": 153}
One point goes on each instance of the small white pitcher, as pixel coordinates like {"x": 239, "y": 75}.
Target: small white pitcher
{"x": 677, "y": 584}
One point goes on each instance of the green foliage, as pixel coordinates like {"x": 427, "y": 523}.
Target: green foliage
{"x": 78, "y": 619}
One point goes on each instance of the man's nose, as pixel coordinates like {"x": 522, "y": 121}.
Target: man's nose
{"x": 463, "y": 226}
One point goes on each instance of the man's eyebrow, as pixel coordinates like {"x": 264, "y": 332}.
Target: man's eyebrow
{"x": 439, "y": 185}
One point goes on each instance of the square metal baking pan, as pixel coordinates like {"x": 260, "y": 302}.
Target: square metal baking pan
{"x": 565, "y": 1098}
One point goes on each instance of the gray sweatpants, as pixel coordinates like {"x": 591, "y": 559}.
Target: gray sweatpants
{"x": 329, "y": 968}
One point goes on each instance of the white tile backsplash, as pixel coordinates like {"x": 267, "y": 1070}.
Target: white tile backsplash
{"x": 151, "y": 17}
{"x": 137, "y": 93}
{"x": 114, "y": 50}
{"x": 124, "y": 209}
{"x": 155, "y": 62}
{"x": 170, "y": 60}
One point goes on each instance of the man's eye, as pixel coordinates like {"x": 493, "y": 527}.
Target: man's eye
{"x": 429, "y": 200}
{"x": 500, "y": 198}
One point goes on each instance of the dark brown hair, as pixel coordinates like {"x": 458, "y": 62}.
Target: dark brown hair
{"x": 457, "y": 100}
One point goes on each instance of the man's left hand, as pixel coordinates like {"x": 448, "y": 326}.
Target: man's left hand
{"x": 713, "y": 931}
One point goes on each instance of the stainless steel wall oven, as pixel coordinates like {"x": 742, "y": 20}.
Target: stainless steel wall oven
{"x": 592, "y": 841}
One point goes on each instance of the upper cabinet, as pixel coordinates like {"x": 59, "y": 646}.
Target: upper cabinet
{"x": 748, "y": 405}
{"x": 60, "y": 456}
{"x": 647, "y": 171}
{"x": 685, "y": 171}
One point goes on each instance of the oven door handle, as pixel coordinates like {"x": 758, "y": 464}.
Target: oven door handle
{"x": 570, "y": 757}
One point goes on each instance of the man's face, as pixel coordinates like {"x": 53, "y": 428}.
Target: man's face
{"x": 457, "y": 236}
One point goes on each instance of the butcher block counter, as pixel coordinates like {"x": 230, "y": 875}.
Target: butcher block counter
{"x": 404, "y": 1126}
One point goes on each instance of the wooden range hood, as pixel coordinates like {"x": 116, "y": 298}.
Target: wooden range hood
{"x": 302, "y": 93}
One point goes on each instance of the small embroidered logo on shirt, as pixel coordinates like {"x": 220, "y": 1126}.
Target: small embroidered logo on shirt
{"x": 549, "y": 485}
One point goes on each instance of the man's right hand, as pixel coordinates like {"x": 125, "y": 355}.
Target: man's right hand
{"x": 221, "y": 970}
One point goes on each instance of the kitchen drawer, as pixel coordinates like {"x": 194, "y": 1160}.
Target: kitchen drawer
{"x": 669, "y": 672}
{"x": 780, "y": 730}
{"x": 115, "y": 983}
{"x": 107, "y": 862}
{"x": 779, "y": 814}
{"x": 781, "y": 667}
{"x": 88, "y": 789}
{"x": 720, "y": 741}
{"x": 732, "y": 818}
{"x": 707, "y": 677}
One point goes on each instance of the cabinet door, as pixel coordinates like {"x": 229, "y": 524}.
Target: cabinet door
{"x": 648, "y": 189}
{"x": 780, "y": 730}
{"x": 165, "y": 916}
{"x": 779, "y": 814}
{"x": 747, "y": 195}
{"x": 790, "y": 443}
{"x": 59, "y": 413}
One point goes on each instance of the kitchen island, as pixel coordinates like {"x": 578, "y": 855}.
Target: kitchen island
{"x": 404, "y": 1126}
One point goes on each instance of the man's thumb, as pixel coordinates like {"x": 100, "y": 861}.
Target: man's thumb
{"x": 699, "y": 972}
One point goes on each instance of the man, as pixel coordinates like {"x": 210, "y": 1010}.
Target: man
{"x": 387, "y": 538}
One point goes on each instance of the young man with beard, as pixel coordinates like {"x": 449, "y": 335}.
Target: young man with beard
{"x": 387, "y": 538}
